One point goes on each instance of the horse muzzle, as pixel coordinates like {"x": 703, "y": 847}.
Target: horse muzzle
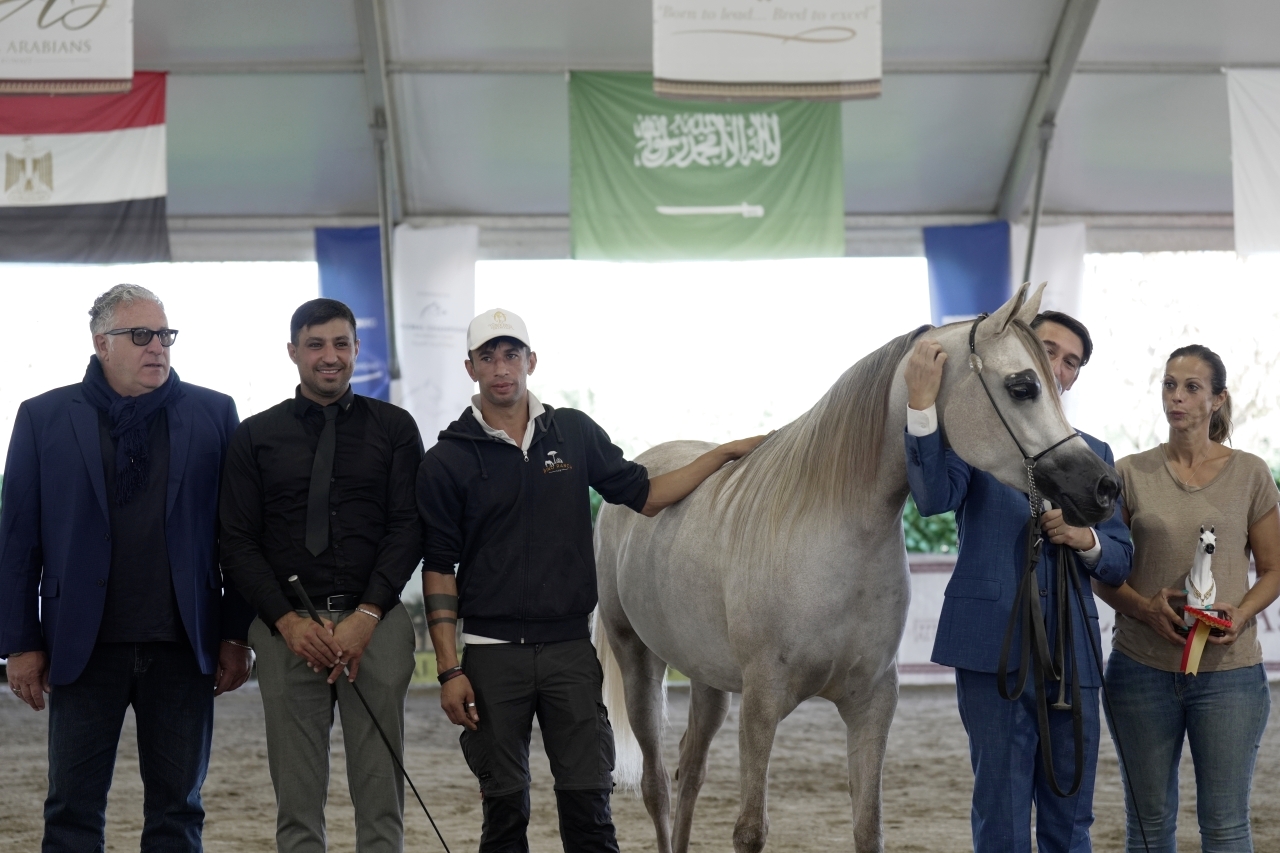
{"x": 1086, "y": 488}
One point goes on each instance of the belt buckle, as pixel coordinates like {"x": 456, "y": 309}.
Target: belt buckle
{"x": 329, "y": 603}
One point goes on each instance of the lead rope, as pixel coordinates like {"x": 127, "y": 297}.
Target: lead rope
{"x": 1027, "y": 614}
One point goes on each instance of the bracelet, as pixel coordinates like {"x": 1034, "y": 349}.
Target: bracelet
{"x": 375, "y": 616}
{"x": 451, "y": 672}
{"x": 240, "y": 644}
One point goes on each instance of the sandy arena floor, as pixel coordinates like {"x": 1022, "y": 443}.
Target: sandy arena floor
{"x": 926, "y": 801}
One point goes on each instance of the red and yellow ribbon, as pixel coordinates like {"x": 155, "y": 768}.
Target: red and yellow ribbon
{"x": 1194, "y": 649}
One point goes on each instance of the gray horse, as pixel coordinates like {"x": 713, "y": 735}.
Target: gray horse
{"x": 784, "y": 576}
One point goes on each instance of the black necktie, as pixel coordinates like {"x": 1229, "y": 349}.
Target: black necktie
{"x": 321, "y": 474}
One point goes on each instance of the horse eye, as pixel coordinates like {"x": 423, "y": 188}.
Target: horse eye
{"x": 1024, "y": 385}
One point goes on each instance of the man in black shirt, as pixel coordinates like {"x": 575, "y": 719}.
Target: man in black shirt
{"x": 504, "y": 497}
{"x": 322, "y": 486}
{"x": 110, "y": 592}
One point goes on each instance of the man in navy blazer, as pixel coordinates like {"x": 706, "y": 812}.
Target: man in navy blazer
{"x": 110, "y": 590}
{"x": 1004, "y": 739}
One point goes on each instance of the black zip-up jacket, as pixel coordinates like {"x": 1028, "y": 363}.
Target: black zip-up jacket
{"x": 517, "y": 527}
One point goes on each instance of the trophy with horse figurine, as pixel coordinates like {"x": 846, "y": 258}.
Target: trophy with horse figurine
{"x": 1201, "y": 591}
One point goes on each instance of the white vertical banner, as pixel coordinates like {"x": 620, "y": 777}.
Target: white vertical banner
{"x": 1253, "y": 97}
{"x": 435, "y": 299}
{"x": 1059, "y": 260}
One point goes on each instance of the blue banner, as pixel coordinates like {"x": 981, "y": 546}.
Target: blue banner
{"x": 350, "y": 262}
{"x": 969, "y": 270}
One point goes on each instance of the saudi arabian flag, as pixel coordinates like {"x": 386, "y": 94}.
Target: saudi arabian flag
{"x": 656, "y": 179}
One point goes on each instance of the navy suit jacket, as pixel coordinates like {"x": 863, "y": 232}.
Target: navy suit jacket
{"x": 55, "y": 533}
{"x": 991, "y": 520}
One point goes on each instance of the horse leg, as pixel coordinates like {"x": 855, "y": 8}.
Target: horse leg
{"x": 766, "y": 700}
{"x": 867, "y": 715}
{"x": 643, "y": 676}
{"x": 707, "y": 710}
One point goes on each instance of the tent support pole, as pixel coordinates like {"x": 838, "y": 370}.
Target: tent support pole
{"x": 385, "y": 232}
{"x": 1046, "y": 136}
{"x": 371, "y": 23}
{"x": 1068, "y": 39}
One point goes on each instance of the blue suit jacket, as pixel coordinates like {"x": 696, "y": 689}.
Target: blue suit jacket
{"x": 991, "y": 520}
{"x": 55, "y": 531}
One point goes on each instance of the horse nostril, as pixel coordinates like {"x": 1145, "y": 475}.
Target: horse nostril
{"x": 1107, "y": 490}
{"x": 1208, "y": 549}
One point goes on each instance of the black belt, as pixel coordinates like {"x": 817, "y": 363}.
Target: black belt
{"x": 335, "y": 603}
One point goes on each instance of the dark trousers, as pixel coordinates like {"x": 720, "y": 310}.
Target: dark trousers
{"x": 1009, "y": 774}
{"x": 559, "y": 683}
{"x": 173, "y": 705}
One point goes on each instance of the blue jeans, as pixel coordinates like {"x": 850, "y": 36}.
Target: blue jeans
{"x": 1222, "y": 714}
{"x": 1009, "y": 773}
{"x": 173, "y": 705}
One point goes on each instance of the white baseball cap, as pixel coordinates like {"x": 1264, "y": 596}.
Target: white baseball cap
{"x": 496, "y": 323}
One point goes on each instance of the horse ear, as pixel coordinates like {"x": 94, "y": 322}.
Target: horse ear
{"x": 1202, "y": 528}
{"x": 1211, "y": 529}
{"x": 1006, "y": 312}
{"x": 1031, "y": 307}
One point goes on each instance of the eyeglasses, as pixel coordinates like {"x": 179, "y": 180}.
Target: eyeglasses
{"x": 141, "y": 337}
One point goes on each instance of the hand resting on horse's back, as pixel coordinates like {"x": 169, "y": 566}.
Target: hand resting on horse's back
{"x": 742, "y": 446}
{"x": 924, "y": 373}
{"x": 666, "y": 489}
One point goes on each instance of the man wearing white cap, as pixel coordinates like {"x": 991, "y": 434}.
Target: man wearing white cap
{"x": 505, "y": 502}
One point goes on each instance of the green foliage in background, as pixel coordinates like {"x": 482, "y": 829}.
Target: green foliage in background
{"x": 933, "y": 535}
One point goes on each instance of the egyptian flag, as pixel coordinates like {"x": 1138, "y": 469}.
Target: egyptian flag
{"x": 84, "y": 176}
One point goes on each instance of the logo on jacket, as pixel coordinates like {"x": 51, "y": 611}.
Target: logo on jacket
{"x": 554, "y": 463}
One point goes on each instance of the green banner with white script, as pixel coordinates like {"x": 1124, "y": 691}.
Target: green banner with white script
{"x": 656, "y": 179}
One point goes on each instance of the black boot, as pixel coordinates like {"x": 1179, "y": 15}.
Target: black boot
{"x": 505, "y": 820}
{"x": 586, "y": 824}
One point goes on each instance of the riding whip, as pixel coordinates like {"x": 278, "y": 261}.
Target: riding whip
{"x": 311, "y": 609}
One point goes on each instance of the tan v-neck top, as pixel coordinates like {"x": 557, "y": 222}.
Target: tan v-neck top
{"x": 1165, "y": 517}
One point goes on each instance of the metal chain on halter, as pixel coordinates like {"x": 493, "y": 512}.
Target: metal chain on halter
{"x": 1033, "y": 493}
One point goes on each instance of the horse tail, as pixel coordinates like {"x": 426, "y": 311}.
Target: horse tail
{"x": 628, "y": 763}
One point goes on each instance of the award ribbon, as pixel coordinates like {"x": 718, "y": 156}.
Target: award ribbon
{"x": 1196, "y": 640}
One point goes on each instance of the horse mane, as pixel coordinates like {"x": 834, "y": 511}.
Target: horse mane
{"x": 826, "y": 459}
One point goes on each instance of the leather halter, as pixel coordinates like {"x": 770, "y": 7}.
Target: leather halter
{"x": 1028, "y": 460}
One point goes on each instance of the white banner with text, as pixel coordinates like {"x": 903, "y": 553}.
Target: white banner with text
{"x": 747, "y": 50}
{"x": 434, "y": 287}
{"x": 65, "y": 46}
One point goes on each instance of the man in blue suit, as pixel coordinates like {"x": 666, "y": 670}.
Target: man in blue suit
{"x": 1004, "y": 737}
{"x": 110, "y": 590}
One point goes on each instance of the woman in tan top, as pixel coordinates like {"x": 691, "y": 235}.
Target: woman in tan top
{"x": 1170, "y": 492}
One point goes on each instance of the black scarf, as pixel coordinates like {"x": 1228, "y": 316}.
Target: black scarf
{"x": 129, "y": 418}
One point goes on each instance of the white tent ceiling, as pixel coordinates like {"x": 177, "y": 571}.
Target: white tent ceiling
{"x": 269, "y": 113}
